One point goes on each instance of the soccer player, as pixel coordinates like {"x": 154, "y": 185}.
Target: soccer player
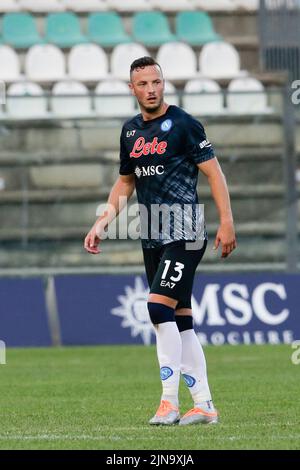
{"x": 161, "y": 151}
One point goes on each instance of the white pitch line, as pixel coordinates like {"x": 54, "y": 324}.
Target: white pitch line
{"x": 56, "y": 437}
{"x": 224, "y": 425}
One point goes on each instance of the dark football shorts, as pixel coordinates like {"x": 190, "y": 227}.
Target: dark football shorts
{"x": 170, "y": 270}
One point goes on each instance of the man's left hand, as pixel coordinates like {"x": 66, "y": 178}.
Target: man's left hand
{"x": 226, "y": 236}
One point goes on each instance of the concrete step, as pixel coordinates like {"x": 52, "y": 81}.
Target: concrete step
{"x": 139, "y": 269}
{"x": 88, "y": 194}
{"x": 41, "y": 157}
{"x": 67, "y": 208}
{"x": 68, "y": 176}
{"x": 243, "y": 230}
{"x": 81, "y": 172}
{"x": 98, "y": 135}
{"x": 72, "y": 254}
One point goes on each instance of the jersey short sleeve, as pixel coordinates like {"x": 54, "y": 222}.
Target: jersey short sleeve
{"x": 198, "y": 148}
{"x": 126, "y": 167}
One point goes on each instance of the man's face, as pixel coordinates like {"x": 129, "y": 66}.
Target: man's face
{"x": 147, "y": 85}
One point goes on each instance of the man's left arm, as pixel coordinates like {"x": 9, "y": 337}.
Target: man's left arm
{"x": 226, "y": 233}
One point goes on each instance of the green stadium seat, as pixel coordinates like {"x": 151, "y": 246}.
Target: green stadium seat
{"x": 152, "y": 29}
{"x": 195, "y": 28}
{"x": 63, "y": 30}
{"x": 106, "y": 29}
{"x": 19, "y": 30}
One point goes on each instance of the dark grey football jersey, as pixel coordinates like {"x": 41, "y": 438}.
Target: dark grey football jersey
{"x": 163, "y": 154}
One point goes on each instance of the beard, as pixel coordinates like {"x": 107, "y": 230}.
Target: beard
{"x": 153, "y": 108}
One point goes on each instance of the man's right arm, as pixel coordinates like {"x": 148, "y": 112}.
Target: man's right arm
{"x": 119, "y": 195}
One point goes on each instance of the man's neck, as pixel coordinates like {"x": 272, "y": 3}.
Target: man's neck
{"x": 160, "y": 112}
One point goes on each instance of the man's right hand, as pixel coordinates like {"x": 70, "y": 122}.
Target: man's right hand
{"x": 92, "y": 239}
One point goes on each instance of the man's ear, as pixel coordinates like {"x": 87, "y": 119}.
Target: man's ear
{"x": 131, "y": 88}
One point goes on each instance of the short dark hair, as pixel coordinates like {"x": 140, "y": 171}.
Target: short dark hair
{"x": 142, "y": 62}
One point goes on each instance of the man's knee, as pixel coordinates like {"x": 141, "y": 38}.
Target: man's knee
{"x": 184, "y": 322}
{"x": 160, "y": 313}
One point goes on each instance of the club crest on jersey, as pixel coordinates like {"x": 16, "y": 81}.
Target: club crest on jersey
{"x": 166, "y": 125}
{"x": 141, "y": 147}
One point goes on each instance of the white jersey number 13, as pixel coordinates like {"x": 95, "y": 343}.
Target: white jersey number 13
{"x": 178, "y": 268}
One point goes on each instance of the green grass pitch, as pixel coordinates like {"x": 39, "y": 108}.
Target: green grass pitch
{"x": 102, "y": 398}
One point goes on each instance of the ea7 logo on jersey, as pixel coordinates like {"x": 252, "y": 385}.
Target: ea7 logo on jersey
{"x": 141, "y": 147}
{"x": 205, "y": 143}
{"x": 130, "y": 133}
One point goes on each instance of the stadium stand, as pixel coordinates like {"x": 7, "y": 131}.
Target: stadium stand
{"x": 171, "y": 5}
{"x": 19, "y": 30}
{"x": 42, "y": 6}
{"x": 45, "y": 63}
{"x": 84, "y": 135}
{"x": 152, "y": 29}
{"x": 177, "y": 60}
{"x": 9, "y": 5}
{"x": 217, "y": 5}
{"x": 128, "y": 5}
{"x": 26, "y": 100}
{"x": 246, "y": 4}
{"x": 86, "y": 5}
{"x": 171, "y": 94}
{"x": 10, "y": 64}
{"x": 226, "y": 5}
{"x": 219, "y": 60}
{"x": 204, "y": 95}
{"x": 63, "y": 30}
{"x": 113, "y": 99}
{"x": 122, "y": 56}
{"x": 87, "y": 62}
{"x": 195, "y": 28}
{"x": 107, "y": 29}
{"x": 246, "y": 96}
{"x": 63, "y": 103}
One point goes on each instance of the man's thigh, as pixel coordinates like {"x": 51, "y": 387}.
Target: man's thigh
{"x": 175, "y": 273}
{"x": 152, "y": 257}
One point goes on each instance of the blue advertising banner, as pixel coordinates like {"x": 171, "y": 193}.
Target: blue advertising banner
{"x": 247, "y": 309}
{"x": 112, "y": 309}
{"x": 23, "y": 317}
{"x": 86, "y": 306}
{"x": 234, "y": 309}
